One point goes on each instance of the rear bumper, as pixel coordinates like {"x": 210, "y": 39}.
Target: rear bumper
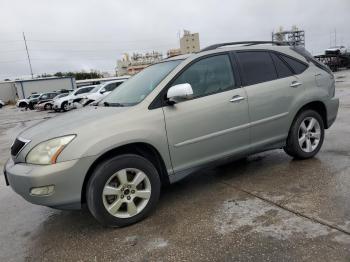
{"x": 66, "y": 177}
{"x": 332, "y": 111}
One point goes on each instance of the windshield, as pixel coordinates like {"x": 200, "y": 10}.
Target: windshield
{"x": 134, "y": 90}
{"x": 95, "y": 89}
{"x": 59, "y": 96}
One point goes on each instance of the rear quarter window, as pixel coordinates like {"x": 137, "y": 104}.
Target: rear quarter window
{"x": 297, "y": 66}
{"x": 283, "y": 70}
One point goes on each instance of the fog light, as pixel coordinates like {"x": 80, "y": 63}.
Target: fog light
{"x": 42, "y": 191}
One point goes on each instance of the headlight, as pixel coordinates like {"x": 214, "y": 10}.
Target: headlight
{"x": 47, "y": 152}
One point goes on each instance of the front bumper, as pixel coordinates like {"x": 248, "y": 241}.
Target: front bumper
{"x": 332, "y": 107}
{"x": 66, "y": 177}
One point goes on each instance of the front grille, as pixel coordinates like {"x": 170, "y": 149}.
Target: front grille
{"x": 17, "y": 146}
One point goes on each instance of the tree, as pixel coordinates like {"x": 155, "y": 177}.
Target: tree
{"x": 80, "y": 75}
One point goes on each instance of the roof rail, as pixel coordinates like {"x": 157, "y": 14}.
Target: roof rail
{"x": 246, "y": 43}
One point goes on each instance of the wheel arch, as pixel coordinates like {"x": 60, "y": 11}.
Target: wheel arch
{"x": 139, "y": 148}
{"x": 317, "y": 106}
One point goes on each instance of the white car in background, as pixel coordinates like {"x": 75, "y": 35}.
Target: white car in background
{"x": 25, "y": 102}
{"x": 1, "y": 103}
{"x": 66, "y": 103}
{"x": 101, "y": 91}
{"x": 336, "y": 50}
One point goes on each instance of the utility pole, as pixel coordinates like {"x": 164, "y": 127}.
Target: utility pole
{"x": 30, "y": 64}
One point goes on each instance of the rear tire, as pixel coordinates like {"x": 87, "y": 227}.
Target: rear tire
{"x": 123, "y": 190}
{"x": 306, "y": 135}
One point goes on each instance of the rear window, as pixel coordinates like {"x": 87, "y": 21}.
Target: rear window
{"x": 257, "y": 67}
{"x": 297, "y": 66}
{"x": 282, "y": 69}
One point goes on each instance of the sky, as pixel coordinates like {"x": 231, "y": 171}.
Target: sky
{"x": 75, "y": 35}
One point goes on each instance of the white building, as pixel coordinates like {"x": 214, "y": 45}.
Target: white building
{"x": 8, "y": 91}
{"x": 19, "y": 89}
{"x": 189, "y": 43}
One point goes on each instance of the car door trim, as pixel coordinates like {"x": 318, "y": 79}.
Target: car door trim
{"x": 268, "y": 119}
{"x": 212, "y": 135}
{"x": 229, "y": 130}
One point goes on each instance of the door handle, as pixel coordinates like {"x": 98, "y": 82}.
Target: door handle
{"x": 236, "y": 99}
{"x": 295, "y": 84}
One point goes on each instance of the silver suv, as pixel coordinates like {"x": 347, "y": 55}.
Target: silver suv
{"x": 228, "y": 101}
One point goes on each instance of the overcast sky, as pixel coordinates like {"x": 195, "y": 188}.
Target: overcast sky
{"x": 72, "y": 35}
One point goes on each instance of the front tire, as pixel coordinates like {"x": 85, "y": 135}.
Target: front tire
{"x": 48, "y": 107}
{"x": 65, "y": 107}
{"x": 306, "y": 135}
{"x": 123, "y": 190}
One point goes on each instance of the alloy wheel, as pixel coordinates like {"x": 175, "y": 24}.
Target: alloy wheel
{"x": 309, "y": 134}
{"x": 126, "y": 193}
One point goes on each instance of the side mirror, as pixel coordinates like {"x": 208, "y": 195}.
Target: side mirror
{"x": 103, "y": 91}
{"x": 179, "y": 92}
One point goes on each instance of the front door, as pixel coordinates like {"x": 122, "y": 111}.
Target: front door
{"x": 212, "y": 124}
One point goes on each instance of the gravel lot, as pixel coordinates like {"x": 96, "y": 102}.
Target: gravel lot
{"x": 267, "y": 207}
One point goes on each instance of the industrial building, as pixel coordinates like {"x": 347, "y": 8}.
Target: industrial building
{"x": 189, "y": 43}
{"x": 130, "y": 65}
{"x": 134, "y": 64}
{"x": 19, "y": 89}
{"x": 295, "y": 36}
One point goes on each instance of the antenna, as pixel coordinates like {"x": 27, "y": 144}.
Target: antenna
{"x": 30, "y": 64}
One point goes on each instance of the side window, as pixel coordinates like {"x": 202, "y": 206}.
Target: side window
{"x": 78, "y": 92}
{"x": 82, "y": 91}
{"x": 257, "y": 67}
{"x": 282, "y": 69}
{"x": 209, "y": 75}
{"x": 297, "y": 66}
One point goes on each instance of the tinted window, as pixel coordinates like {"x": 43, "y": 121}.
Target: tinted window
{"x": 84, "y": 90}
{"x": 298, "y": 67}
{"x": 209, "y": 75}
{"x": 257, "y": 67}
{"x": 112, "y": 86}
{"x": 282, "y": 69}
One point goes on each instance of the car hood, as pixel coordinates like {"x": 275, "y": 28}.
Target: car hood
{"x": 74, "y": 122}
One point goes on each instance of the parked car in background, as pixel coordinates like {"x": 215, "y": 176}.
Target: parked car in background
{"x": 66, "y": 103}
{"x": 185, "y": 113}
{"x": 41, "y": 98}
{"x": 48, "y": 104}
{"x": 2, "y": 103}
{"x": 102, "y": 90}
{"x": 25, "y": 102}
{"x": 336, "y": 50}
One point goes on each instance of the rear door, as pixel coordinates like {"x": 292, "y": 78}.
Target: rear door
{"x": 271, "y": 86}
{"x": 215, "y": 122}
